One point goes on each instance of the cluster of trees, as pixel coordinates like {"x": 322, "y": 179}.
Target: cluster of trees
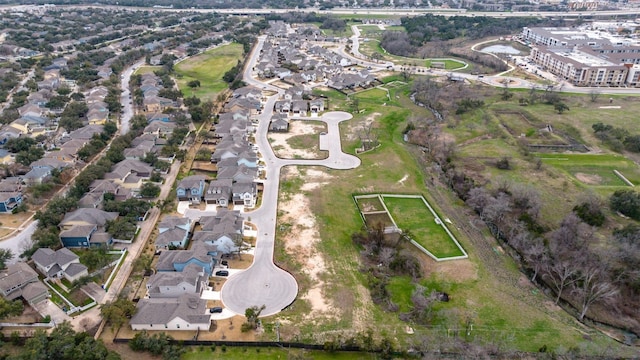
{"x": 234, "y": 76}
{"x": 333, "y": 24}
{"x": 98, "y": 142}
{"x": 26, "y": 150}
{"x": 129, "y": 211}
{"x": 383, "y": 257}
{"x": 570, "y": 264}
{"x": 425, "y": 28}
{"x": 618, "y": 139}
{"x": 567, "y": 258}
{"x": 157, "y": 344}
{"x": 64, "y": 344}
{"x": 116, "y": 312}
{"x": 74, "y": 115}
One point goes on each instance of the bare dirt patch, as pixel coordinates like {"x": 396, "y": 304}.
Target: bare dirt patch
{"x": 457, "y": 271}
{"x": 284, "y": 149}
{"x": 302, "y": 238}
{"x": 356, "y": 128}
{"x": 589, "y": 179}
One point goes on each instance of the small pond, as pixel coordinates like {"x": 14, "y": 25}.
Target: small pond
{"x": 501, "y": 49}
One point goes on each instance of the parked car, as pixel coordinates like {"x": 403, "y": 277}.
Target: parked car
{"x": 224, "y": 262}
{"x": 222, "y": 273}
{"x": 215, "y": 310}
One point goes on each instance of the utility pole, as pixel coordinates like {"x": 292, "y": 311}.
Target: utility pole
{"x": 277, "y": 331}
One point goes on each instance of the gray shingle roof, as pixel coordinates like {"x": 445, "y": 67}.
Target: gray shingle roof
{"x": 75, "y": 269}
{"x": 89, "y": 216}
{"x": 188, "y": 307}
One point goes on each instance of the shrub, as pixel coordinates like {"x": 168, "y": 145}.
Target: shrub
{"x": 503, "y": 164}
{"x": 590, "y": 213}
{"x": 627, "y": 202}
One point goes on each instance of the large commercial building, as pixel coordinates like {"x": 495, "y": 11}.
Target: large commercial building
{"x": 586, "y": 56}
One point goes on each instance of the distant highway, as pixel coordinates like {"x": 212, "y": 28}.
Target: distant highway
{"x": 367, "y": 11}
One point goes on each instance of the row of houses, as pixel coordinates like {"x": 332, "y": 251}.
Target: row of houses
{"x": 191, "y": 250}
{"x": 152, "y": 101}
{"x": 182, "y": 274}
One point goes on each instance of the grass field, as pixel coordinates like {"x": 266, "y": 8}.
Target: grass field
{"x": 208, "y": 68}
{"x": 413, "y": 215}
{"x": 599, "y": 166}
{"x": 373, "y": 46}
{"x": 147, "y": 69}
{"x": 484, "y": 289}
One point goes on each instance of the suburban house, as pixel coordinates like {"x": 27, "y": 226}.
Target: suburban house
{"x": 219, "y": 192}
{"x": 316, "y": 106}
{"x": 174, "y": 284}
{"x": 223, "y": 230}
{"x": 20, "y": 280}
{"x": 84, "y": 227}
{"x": 130, "y": 173}
{"x": 200, "y": 254}
{"x": 59, "y": 264}
{"x": 37, "y": 175}
{"x": 10, "y": 194}
{"x": 160, "y": 128}
{"x": 191, "y": 189}
{"x": 279, "y": 123}
{"x": 187, "y": 312}
{"x": 9, "y": 201}
{"x": 6, "y": 157}
{"x": 244, "y": 194}
{"x": 173, "y": 232}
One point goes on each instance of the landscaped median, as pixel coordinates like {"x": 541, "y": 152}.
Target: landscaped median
{"x": 413, "y": 216}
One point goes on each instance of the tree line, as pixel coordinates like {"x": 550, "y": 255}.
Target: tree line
{"x": 568, "y": 259}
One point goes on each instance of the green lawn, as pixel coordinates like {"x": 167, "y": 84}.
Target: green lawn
{"x": 503, "y": 311}
{"x": 599, "y": 166}
{"x": 412, "y": 214}
{"x": 373, "y": 46}
{"x": 147, "y": 69}
{"x": 208, "y": 68}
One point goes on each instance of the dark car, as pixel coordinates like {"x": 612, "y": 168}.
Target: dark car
{"x": 222, "y": 273}
{"x": 215, "y": 310}
{"x": 225, "y": 262}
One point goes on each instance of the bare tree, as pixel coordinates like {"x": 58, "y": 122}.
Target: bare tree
{"x": 386, "y": 256}
{"x": 596, "y": 286}
{"x": 594, "y": 94}
{"x": 238, "y": 242}
{"x": 536, "y": 256}
{"x": 561, "y": 274}
{"x": 368, "y": 136}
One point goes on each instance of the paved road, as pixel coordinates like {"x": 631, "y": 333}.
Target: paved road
{"x": 263, "y": 283}
{"x": 17, "y": 244}
{"x": 126, "y": 98}
{"x": 370, "y": 11}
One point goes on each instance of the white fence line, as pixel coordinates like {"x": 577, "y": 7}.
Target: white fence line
{"x": 435, "y": 215}
{"x": 105, "y": 286}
